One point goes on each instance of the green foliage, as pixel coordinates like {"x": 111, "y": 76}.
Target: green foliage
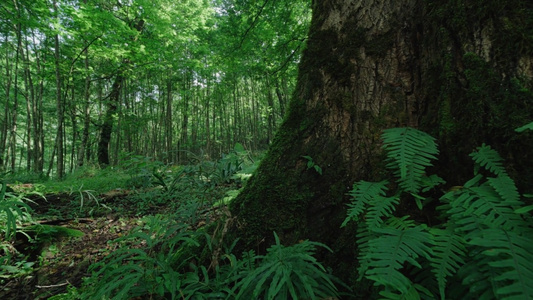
{"x": 528, "y": 126}
{"x": 237, "y": 164}
{"x": 481, "y": 246}
{"x": 89, "y": 179}
{"x": 88, "y": 199}
{"x": 158, "y": 260}
{"x": 409, "y": 151}
{"x": 148, "y": 262}
{"x": 14, "y": 212}
{"x": 287, "y": 273}
{"x": 312, "y": 164}
{"x": 391, "y": 250}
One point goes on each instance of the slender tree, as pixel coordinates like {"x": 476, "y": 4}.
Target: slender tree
{"x": 59, "y": 102}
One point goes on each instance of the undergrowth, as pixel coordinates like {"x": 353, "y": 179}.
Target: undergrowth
{"x": 480, "y": 249}
{"x": 478, "y": 246}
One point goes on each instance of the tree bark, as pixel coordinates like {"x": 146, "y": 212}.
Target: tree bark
{"x": 113, "y": 101}
{"x": 106, "y": 128}
{"x": 371, "y": 65}
{"x": 59, "y": 106}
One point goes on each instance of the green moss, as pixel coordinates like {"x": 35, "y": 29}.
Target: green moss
{"x": 478, "y": 102}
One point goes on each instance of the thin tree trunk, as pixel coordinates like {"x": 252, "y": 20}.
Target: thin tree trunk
{"x": 169, "y": 122}
{"x": 106, "y": 128}
{"x": 112, "y": 102}
{"x": 59, "y": 106}
{"x": 86, "y": 115}
{"x": 30, "y": 99}
{"x": 37, "y": 116}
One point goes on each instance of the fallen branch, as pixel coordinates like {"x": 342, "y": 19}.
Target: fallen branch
{"x": 52, "y": 286}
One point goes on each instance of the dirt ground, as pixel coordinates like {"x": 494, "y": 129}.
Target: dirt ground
{"x": 64, "y": 261}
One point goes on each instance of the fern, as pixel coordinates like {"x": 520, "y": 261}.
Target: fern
{"x": 363, "y": 194}
{"x": 409, "y": 152}
{"x": 489, "y": 159}
{"x": 506, "y": 188}
{"x": 449, "y": 252}
{"x": 287, "y": 273}
{"x": 146, "y": 265}
{"x": 528, "y": 126}
{"x": 484, "y": 241}
{"x": 513, "y": 261}
{"x": 391, "y": 250}
{"x": 380, "y": 209}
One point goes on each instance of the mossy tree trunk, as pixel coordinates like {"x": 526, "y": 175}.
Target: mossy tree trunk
{"x": 375, "y": 64}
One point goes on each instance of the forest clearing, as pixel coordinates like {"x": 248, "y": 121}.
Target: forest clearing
{"x": 270, "y": 149}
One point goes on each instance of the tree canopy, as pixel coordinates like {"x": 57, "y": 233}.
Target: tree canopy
{"x": 164, "y": 79}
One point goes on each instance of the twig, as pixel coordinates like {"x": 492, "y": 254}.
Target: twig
{"x": 52, "y": 286}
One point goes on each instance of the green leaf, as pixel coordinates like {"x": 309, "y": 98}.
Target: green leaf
{"x": 389, "y": 252}
{"x": 448, "y": 256}
{"x": 525, "y": 127}
{"x": 489, "y": 159}
{"x": 409, "y": 152}
{"x": 239, "y": 148}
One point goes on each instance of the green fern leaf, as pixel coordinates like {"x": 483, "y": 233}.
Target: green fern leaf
{"x": 391, "y": 250}
{"x": 364, "y": 236}
{"x": 409, "y": 152}
{"x": 525, "y": 127}
{"x": 511, "y": 253}
{"x": 363, "y": 193}
{"x": 506, "y": 188}
{"x": 477, "y": 277}
{"x": 400, "y": 223}
{"x": 489, "y": 159}
{"x": 481, "y": 207}
{"x": 448, "y": 254}
{"x": 380, "y": 209}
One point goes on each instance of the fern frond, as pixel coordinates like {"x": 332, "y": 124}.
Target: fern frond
{"x": 363, "y": 193}
{"x": 401, "y": 223}
{"x": 363, "y": 238}
{"x": 448, "y": 254}
{"x": 287, "y": 273}
{"x": 380, "y": 209}
{"x": 489, "y": 159}
{"x": 480, "y": 208}
{"x": 528, "y": 126}
{"x": 477, "y": 278}
{"x": 506, "y": 188}
{"x": 409, "y": 152}
{"x": 431, "y": 181}
{"x": 391, "y": 250}
{"x": 413, "y": 293}
{"x": 511, "y": 258}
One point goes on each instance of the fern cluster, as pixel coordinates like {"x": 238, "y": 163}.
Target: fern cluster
{"x": 481, "y": 250}
{"x": 154, "y": 263}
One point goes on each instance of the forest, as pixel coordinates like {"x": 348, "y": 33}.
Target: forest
{"x": 266, "y": 149}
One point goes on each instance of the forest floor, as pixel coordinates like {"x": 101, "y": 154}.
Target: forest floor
{"x": 63, "y": 262}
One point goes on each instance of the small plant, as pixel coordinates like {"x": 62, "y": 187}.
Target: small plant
{"x": 13, "y": 213}
{"x": 146, "y": 264}
{"x": 482, "y": 246}
{"x": 285, "y": 273}
{"x": 312, "y": 165}
{"x": 87, "y": 198}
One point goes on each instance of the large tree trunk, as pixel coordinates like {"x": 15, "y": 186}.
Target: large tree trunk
{"x": 371, "y": 65}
